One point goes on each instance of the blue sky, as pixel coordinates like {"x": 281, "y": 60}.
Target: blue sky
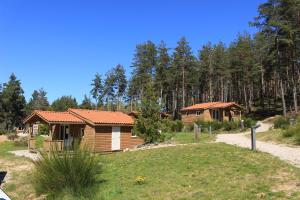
{"x": 60, "y": 44}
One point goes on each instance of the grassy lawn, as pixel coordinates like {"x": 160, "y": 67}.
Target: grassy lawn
{"x": 18, "y": 184}
{"x": 188, "y": 137}
{"x": 275, "y": 136}
{"x": 203, "y": 171}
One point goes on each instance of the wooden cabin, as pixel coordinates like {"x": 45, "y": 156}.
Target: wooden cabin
{"x": 100, "y": 131}
{"x": 220, "y": 111}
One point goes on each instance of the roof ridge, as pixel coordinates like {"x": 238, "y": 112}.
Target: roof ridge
{"x": 96, "y": 110}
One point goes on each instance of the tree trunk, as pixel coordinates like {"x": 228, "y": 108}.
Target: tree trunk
{"x": 283, "y": 99}
{"x": 183, "y": 90}
{"x": 295, "y": 99}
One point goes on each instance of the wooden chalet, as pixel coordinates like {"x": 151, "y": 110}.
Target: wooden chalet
{"x": 100, "y": 131}
{"x": 220, "y": 111}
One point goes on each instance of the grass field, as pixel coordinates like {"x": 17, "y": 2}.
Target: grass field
{"x": 197, "y": 171}
{"x": 275, "y": 136}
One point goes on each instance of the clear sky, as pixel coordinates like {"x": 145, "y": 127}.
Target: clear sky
{"x": 60, "y": 44}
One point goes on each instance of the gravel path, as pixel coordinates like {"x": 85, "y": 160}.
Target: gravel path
{"x": 283, "y": 152}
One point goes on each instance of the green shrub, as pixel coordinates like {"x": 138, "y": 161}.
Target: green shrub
{"x": 281, "y": 122}
{"x": 177, "y": 126}
{"x": 188, "y": 127}
{"x": 248, "y": 122}
{"x": 43, "y": 129}
{"x": 231, "y": 125}
{"x": 168, "y": 125}
{"x": 291, "y": 131}
{"x": 75, "y": 171}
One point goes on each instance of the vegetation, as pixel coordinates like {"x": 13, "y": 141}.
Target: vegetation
{"x": 12, "y": 104}
{"x": 148, "y": 123}
{"x": 58, "y": 172}
{"x": 64, "y": 103}
{"x": 225, "y": 125}
{"x": 38, "y": 101}
{"x": 281, "y": 122}
{"x": 205, "y": 171}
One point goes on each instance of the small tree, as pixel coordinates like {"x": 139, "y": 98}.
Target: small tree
{"x": 97, "y": 90}
{"x": 64, "y": 103}
{"x": 148, "y": 123}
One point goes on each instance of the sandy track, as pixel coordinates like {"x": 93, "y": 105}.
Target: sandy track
{"x": 284, "y": 152}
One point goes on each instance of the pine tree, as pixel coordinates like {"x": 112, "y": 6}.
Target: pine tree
{"x": 86, "y": 103}
{"x": 109, "y": 89}
{"x": 64, "y": 103}
{"x": 148, "y": 122}
{"x": 183, "y": 66}
{"x": 38, "y": 101}
{"x": 121, "y": 84}
{"x": 13, "y": 102}
{"x": 97, "y": 90}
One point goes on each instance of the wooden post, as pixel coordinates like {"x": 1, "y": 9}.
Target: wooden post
{"x": 253, "y": 137}
{"x": 209, "y": 130}
{"x": 196, "y": 132}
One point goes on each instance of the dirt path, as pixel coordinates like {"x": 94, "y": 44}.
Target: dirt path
{"x": 284, "y": 152}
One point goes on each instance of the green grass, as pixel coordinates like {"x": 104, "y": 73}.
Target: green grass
{"x": 39, "y": 141}
{"x": 204, "y": 171}
{"x": 7, "y": 146}
{"x": 188, "y": 137}
{"x": 18, "y": 186}
{"x": 275, "y": 136}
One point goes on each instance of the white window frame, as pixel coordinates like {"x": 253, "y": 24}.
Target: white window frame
{"x": 132, "y": 134}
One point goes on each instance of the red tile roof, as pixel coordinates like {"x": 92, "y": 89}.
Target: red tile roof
{"x": 102, "y": 117}
{"x": 209, "y": 105}
{"x": 55, "y": 117}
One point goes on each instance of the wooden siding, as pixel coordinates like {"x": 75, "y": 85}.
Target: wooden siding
{"x": 207, "y": 115}
{"x": 103, "y": 138}
{"x": 189, "y": 117}
{"x": 127, "y": 141}
{"x": 88, "y": 141}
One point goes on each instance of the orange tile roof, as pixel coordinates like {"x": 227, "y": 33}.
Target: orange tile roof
{"x": 210, "y": 105}
{"x": 55, "y": 117}
{"x": 103, "y": 117}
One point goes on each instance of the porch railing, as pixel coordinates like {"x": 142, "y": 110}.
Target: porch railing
{"x": 57, "y": 145}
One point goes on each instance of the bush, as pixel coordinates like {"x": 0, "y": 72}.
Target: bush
{"x": 171, "y": 126}
{"x": 60, "y": 171}
{"x": 177, "y": 126}
{"x": 188, "y": 127}
{"x": 281, "y": 122}
{"x": 231, "y": 125}
{"x": 248, "y": 122}
{"x": 43, "y": 129}
{"x": 291, "y": 131}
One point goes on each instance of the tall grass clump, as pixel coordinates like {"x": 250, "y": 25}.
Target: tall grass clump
{"x": 281, "y": 122}
{"x": 57, "y": 172}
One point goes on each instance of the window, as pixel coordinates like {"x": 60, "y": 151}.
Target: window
{"x": 198, "y": 113}
{"x": 133, "y": 134}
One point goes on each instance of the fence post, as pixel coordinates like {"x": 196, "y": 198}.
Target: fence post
{"x": 242, "y": 124}
{"x": 196, "y": 132}
{"x": 292, "y": 122}
{"x": 210, "y": 130}
{"x": 253, "y": 137}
